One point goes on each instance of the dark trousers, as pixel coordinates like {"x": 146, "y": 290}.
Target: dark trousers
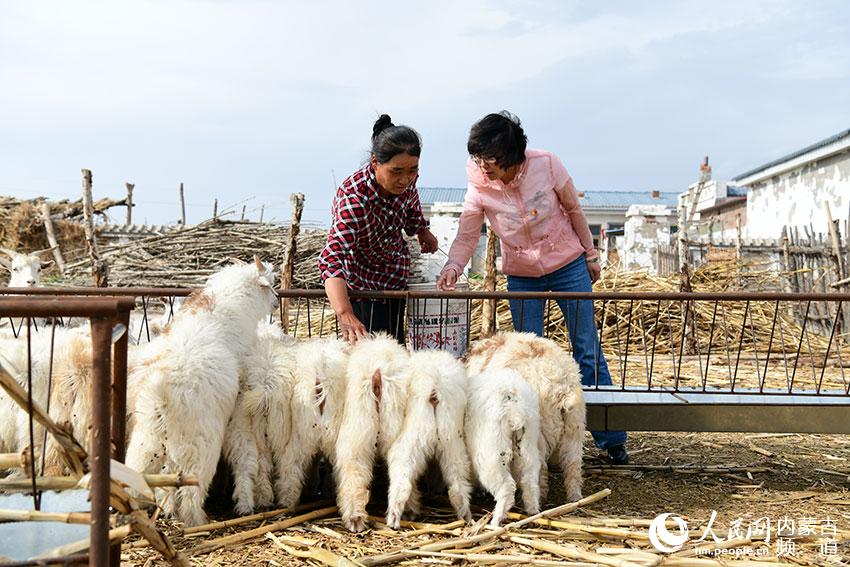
{"x": 378, "y": 315}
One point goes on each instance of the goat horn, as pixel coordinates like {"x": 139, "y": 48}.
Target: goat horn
{"x": 259, "y": 264}
{"x": 40, "y": 252}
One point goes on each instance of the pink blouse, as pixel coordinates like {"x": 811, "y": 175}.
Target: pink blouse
{"x": 536, "y": 216}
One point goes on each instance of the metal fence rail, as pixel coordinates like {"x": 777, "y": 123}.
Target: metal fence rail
{"x": 730, "y": 361}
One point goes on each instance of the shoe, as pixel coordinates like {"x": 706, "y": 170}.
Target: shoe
{"x": 618, "y": 455}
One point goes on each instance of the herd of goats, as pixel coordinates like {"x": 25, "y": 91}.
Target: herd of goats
{"x": 219, "y": 380}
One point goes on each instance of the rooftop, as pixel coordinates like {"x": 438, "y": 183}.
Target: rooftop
{"x": 793, "y": 155}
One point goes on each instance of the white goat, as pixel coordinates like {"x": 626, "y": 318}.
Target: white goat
{"x": 14, "y": 426}
{"x": 372, "y": 419}
{"x": 25, "y": 269}
{"x": 67, "y": 378}
{"x": 260, "y": 417}
{"x": 192, "y": 381}
{"x": 318, "y": 386}
{"x": 433, "y": 429}
{"x": 556, "y": 379}
{"x": 503, "y": 438}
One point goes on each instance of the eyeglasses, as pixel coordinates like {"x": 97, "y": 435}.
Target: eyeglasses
{"x": 482, "y": 161}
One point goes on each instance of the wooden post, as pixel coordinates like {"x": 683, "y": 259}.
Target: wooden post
{"x": 297, "y": 200}
{"x": 738, "y": 255}
{"x": 243, "y": 212}
{"x": 215, "y": 209}
{"x": 51, "y": 236}
{"x": 262, "y": 210}
{"x": 98, "y": 267}
{"x": 684, "y": 255}
{"x": 130, "y": 188}
{"x": 786, "y": 260}
{"x": 836, "y": 243}
{"x": 183, "y": 206}
{"x": 488, "y": 308}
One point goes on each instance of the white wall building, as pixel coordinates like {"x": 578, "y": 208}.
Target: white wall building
{"x": 647, "y": 227}
{"x": 794, "y": 190}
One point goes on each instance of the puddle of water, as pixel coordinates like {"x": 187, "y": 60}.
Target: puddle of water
{"x": 22, "y": 540}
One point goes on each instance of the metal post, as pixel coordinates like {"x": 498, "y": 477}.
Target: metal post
{"x": 101, "y": 332}
{"x": 119, "y": 409}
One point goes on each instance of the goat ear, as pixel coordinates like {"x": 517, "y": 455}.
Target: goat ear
{"x": 47, "y": 264}
{"x": 259, "y": 264}
{"x": 6, "y": 264}
{"x": 9, "y": 252}
{"x": 46, "y": 250}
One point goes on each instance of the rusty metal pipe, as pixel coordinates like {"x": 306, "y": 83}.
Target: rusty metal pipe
{"x": 99, "y": 291}
{"x": 63, "y": 306}
{"x": 101, "y": 333}
{"x": 119, "y": 408}
{"x": 421, "y": 294}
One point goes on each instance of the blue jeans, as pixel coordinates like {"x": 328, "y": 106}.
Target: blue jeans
{"x": 528, "y": 315}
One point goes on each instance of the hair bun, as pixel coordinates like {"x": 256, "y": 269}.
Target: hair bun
{"x": 382, "y": 123}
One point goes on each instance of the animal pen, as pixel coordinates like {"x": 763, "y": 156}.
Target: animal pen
{"x": 731, "y": 361}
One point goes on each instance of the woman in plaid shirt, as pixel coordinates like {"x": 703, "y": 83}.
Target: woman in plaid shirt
{"x": 366, "y": 249}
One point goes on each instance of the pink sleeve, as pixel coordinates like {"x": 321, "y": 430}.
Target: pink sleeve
{"x": 568, "y": 196}
{"x": 468, "y": 233}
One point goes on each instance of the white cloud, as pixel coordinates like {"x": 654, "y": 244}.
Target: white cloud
{"x": 119, "y": 60}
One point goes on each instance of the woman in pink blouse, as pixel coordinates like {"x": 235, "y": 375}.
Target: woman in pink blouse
{"x": 533, "y": 207}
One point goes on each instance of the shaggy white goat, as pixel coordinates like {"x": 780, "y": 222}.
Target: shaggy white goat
{"x": 260, "y": 417}
{"x": 191, "y": 381}
{"x": 14, "y": 425}
{"x": 503, "y": 438}
{"x": 69, "y": 386}
{"x": 556, "y": 379}
{"x": 372, "y": 419}
{"x": 318, "y": 385}
{"x": 433, "y": 429}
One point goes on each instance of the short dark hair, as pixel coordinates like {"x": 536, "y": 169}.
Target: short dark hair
{"x": 498, "y": 136}
{"x": 389, "y": 140}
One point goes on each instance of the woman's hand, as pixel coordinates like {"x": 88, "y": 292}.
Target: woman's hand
{"x": 447, "y": 280}
{"x": 594, "y": 269}
{"x": 427, "y": 241}
{"x": 350, "y": 327}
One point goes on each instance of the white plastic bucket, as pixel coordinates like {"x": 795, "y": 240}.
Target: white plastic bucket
{"x": 435, "y": 323}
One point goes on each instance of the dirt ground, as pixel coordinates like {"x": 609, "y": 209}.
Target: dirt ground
{"x": 790, "y": 477}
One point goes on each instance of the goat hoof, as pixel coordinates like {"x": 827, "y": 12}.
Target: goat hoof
{"x": 393, "y": 520}
{"x": 243, "y": 510}
{"x": 356, "y": 524}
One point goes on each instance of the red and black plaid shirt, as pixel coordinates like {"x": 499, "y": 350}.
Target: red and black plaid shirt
{"x": 365, "y": 245}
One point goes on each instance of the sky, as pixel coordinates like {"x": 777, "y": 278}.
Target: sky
{"x": 248, "y": 101}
